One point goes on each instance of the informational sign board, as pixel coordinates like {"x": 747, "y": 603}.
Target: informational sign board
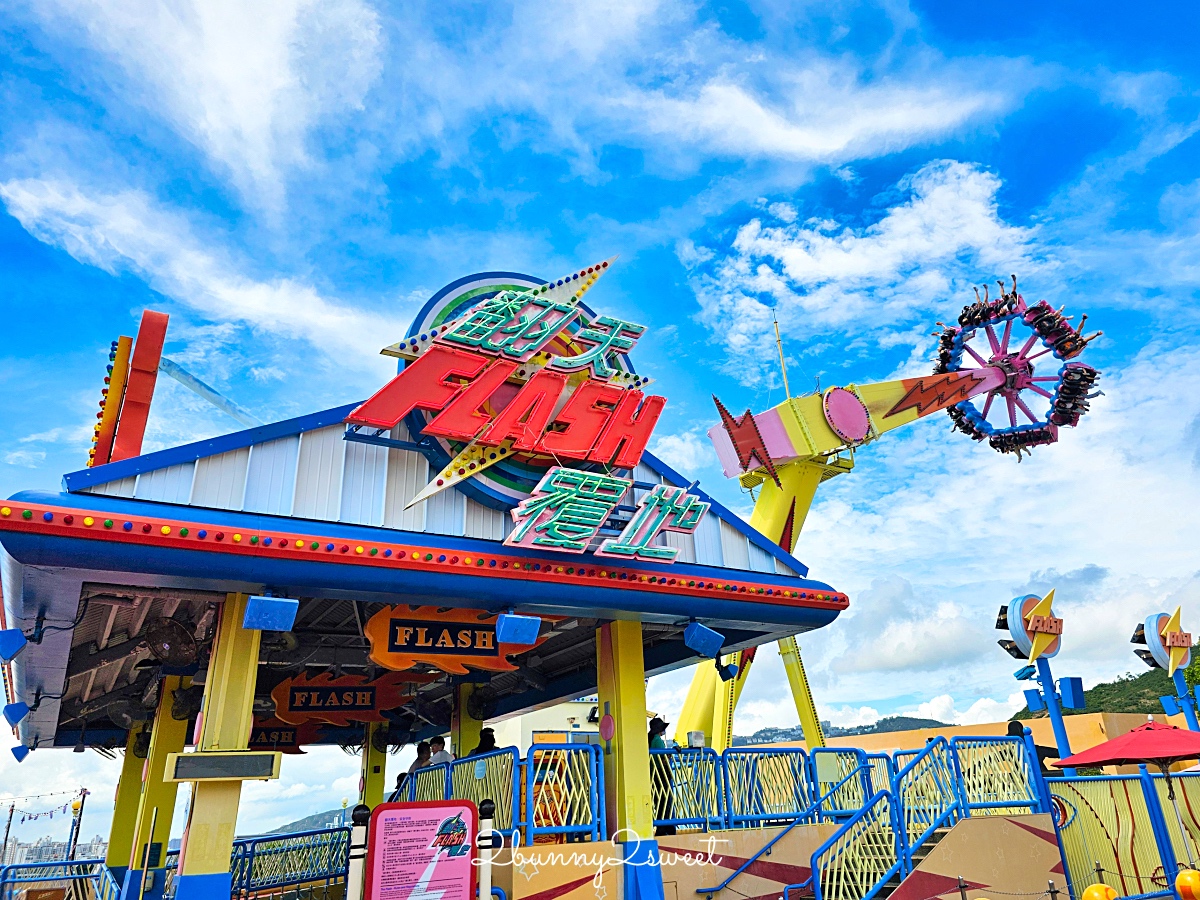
{"x": 420, "y": 850}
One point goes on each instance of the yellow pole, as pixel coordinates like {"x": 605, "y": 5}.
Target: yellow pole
{"x": 225, "y": 725}
{"x": 789, "y": 651}
{"x": 698, "y": 706}
{"x": 157, "y": 802}
{"x": 799, "y": 482}
{"x": 374, "y": 766}
{"x": 125, "y": 809}
{"x": 621, "y": 677}
{"x": 464, "y": 730}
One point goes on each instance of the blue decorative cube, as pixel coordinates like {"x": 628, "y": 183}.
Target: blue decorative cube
{"x": 12, "y": 642}
{"x": 270, "y": 613}
{"x": 519, "y": 630}
{"x": 703, "y": 640}
{"x": 1034, "y": 701}
{"x": 1071, "y": 691}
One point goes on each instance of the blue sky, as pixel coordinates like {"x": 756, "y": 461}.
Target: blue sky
{"x": 291, "y": 181}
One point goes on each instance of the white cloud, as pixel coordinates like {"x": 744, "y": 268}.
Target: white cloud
{"x": 848, "y": 716}
{"x": 28, "y": 458}
{"x": 943, "y": 709}
{"x": 862, "y": 281}
{"x": 128, "y": 231}
{"x": 246, "y": 82}
{"x": 816, "y": 112}
{"x": 688, "y": 451}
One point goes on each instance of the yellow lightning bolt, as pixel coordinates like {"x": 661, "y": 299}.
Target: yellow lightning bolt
{"x": 1041, "y": 641}
{"x": 1177, "y": 653}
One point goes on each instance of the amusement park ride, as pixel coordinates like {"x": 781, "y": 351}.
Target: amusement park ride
{"x": 485, "y": 535}
{"x": 985, "y": 379}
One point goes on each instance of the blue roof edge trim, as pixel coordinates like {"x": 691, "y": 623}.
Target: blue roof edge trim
{"x": 74, "y": 482}
{"x": 347, "y": 531}
{"x": 755, "y": 536}
{"x": 159, "y": 459}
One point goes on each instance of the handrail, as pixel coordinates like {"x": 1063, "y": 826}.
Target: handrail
{"x": 771, "y": 843}
{"x": 908, "y": 844}
{"x": 841, "y": 834}
{"x": 64, "y": 870}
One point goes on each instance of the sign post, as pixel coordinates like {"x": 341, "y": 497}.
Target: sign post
{"x": 422, "y": 849}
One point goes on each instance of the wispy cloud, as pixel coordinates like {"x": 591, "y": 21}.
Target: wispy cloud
{"x": 247, "y": 83}
{"x": 861, "y": 282}
{"x": 129, "y": 231}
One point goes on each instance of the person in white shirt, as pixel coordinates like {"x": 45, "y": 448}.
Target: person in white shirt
{"x": 439, "y": 754}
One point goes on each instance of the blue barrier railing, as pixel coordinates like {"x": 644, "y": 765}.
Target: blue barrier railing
{"x": 276, "y": 861}
{"x": 19, "y": 878}
{"x": 688, "y": 788}
{"x": 765, "y": 785}
{"x": 564, "y": 792}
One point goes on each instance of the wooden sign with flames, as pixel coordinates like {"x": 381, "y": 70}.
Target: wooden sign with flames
{"x": 342, "y": 700}
{"x": 453, "y": 640}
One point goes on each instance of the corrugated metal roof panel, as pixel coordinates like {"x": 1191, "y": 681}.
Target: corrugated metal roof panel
{"x": 707, "y": 541}
{"x": 735, "y": 549}
{"x": 483, "y": 522}
{"x": 122, "y": 487}
{"x": 220, "y": 480}
{"x": 170, "y": 485}
{"x": 781, "y": 569}
{"x": 445, "y": 512}
{"x": 319, "y": 474}
{"x": 363, "y": 483}
{"x": 760, "y": 559}
{"x": 407, "y": 475}
{"x": 685, "y": 543}
{"x": 271, "y": 479}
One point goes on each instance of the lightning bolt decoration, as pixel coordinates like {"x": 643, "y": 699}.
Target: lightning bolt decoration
{"x": 929, "y": 394}
{"x": 1178, "y": 653}
{"x": 1043, "y": 610}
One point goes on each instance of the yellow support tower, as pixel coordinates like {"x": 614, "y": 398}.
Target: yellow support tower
{"x": 156, "y": 805}
{"x": 125, "y": 810}
{"x": 464, "y": 729}
{"x": 625, "y": 744}
{"x": 374, "y": 766}
{"x": 789, "y": 652}
{"x": 621, "y": 678}
{"x": 227, "y": 718}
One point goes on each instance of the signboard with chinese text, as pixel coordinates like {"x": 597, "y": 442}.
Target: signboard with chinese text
{"x": 421, "y": 850}
{"x": 512, "y": 382}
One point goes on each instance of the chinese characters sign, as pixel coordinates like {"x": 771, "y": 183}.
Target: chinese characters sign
{"x": 569, "y": 507}
{"x": 532, "y": 375}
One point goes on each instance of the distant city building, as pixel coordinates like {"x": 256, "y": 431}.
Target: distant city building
{"x": 46, "y": 850}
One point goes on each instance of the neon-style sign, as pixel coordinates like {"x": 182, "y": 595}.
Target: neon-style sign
{"x": 491, "y": 381}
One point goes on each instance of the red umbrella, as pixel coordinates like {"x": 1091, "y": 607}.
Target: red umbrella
{"x": 1152, "y": 743}
{"x": 1159, "y": 745}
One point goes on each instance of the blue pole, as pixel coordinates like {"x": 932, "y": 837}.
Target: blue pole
{"x": 1039, "y": 781}
{"x": 1054, "y": 708}
{"x": 1185, "y": 700}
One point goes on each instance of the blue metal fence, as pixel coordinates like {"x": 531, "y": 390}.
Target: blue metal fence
{"x": 21, "y": 877}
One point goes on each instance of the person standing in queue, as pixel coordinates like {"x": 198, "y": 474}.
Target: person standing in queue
{"x": 662, "y": 786}
{"x": 438, "y": 752}
{"x": 487, "y": 742}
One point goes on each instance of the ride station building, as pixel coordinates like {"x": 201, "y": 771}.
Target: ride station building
{"x": 486, "y": 535}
